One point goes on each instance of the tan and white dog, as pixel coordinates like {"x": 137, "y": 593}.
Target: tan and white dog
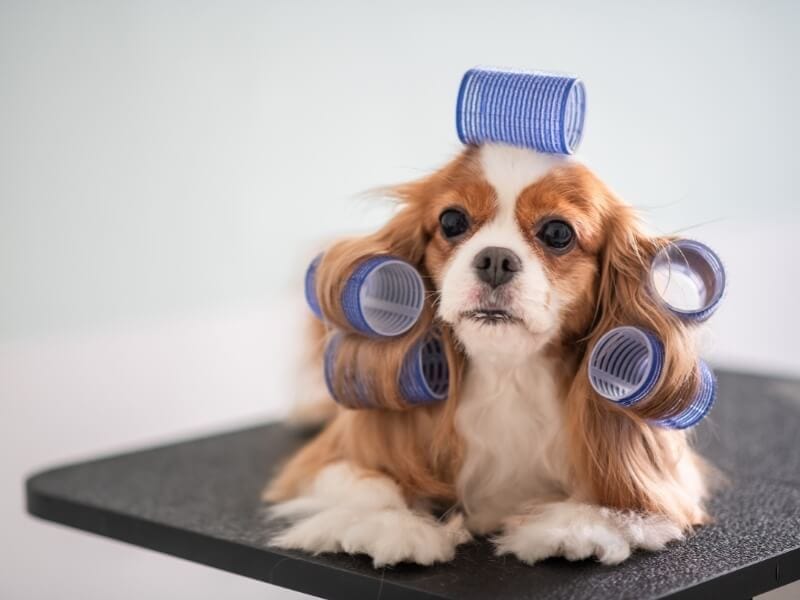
{"x": 529, "y": 259}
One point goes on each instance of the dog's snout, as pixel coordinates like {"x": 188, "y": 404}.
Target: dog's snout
{"x": 496, "y": 266}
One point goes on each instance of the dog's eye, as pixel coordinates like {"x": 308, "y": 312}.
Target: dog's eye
{"x": 453, "y": 222}
{"x": 557, "y": 235}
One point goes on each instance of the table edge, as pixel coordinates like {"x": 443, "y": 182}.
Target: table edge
{"x": 274, "y": 566}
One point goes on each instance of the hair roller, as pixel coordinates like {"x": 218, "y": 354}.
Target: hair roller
{"x": 688, "y": 279}
{"x": 625, "y": 365}
{"x": 537, "y": 110}
{"x": 382, "y": 297}
{"x": 355, "y": 380}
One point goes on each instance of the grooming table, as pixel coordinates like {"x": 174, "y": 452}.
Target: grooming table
{"x": 199, "y": 500}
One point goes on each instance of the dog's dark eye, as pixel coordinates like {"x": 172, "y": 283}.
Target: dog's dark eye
{"x": 557, "y": 235}
{"x": 453, "y": 222}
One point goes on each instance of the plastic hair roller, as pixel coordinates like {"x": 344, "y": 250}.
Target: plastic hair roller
{"x": 625, "y": 365}
{"x": 383, "y": 297}
{"x": 423, "y": 377}
{"x": 542, "y": 111}
{"x": 688, "y": 279}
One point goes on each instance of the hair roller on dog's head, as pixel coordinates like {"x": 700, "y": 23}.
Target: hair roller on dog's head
{"x": 383, "y": 296}
{"x": 625, "y": 365}
{"x": 361, "y": 373}
{"x": 688, "y": 279}
{"x": 541, "y": 111}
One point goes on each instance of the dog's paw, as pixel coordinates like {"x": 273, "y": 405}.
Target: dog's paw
{"x": 578, "y": 531}
{"x": 394, "y": 536}
{"x": 648, "y": 532}
{"x": 388, "y": 536}
{"x": 344, "y": 510}
{"x": 572, "y": 530}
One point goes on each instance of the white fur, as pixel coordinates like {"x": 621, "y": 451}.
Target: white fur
{"x": 578, "y": 531}
{"x": 345, "y": 511}
{"x": 509, "y": 417}
{"x": 509, "y": 170}
{"x": 510, "y": 422}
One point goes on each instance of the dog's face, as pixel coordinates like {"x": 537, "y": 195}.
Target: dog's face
{"x": 513, "y": 238}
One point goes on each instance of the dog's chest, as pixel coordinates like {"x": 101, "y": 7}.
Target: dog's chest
{"x": 511, "y": 424}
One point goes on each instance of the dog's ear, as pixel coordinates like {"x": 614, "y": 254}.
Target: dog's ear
{"x": 622, "y": 459}
{"x": 418, "y": 448}
{"x": 403, "y": 236}
{"x": 625, "y": 297}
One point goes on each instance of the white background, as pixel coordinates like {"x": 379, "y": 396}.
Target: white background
{"x": 165, "y": 166}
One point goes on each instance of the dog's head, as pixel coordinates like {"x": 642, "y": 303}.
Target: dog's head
{"x": 526, "y": 253}
{"x": 514, "y": 250}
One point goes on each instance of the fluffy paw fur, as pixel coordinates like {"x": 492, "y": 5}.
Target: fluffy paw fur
{"x": 388, "y": 536}
{"x": 579, "y": 531}
{"x": 346, "y": 512}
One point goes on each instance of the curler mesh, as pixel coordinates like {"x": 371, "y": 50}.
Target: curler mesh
{"x": 688, "y": 278}
{"x": 383, "y": 297}
{"x": 625, "y": 364}
{"x": 701, "y": 405}
{"x": 537, "y": 110}
{"x": 624, "y": 367}
{"x": 424, "y": 378}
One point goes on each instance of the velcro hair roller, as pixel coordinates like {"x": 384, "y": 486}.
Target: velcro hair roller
{"x": 625, "y": 365}
{"x": 688, "y": 279}
{"x": 421, "y": 377}
{"x": 383, "y": 296}
{"x": 542, "y": 111}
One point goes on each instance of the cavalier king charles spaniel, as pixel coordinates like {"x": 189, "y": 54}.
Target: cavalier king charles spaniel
{"x": 528, "y": 259}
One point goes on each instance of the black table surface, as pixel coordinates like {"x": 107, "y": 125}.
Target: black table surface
{"x": 199, "y": 500}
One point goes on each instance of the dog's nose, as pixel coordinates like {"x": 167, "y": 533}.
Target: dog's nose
{"x": 496, "y": 266}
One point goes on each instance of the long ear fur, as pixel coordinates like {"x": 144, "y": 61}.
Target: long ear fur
{"x": 620, "y": 458}
{"x": 418, "y": 448}
{"x": 403, "y": 236}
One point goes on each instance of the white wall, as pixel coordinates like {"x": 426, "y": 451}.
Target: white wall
{"x": 160, "y": 156}
{"x": 164, "y": 165}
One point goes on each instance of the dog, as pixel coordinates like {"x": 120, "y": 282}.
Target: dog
{"x": 529, "y": 259}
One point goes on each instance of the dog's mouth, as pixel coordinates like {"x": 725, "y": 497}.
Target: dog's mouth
{"x": 491, "y": 316}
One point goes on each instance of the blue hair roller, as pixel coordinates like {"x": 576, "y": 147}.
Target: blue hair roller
{"x": 689, "y": 279}
{"x": 383, "y": 297}
{"x": 702, "y": 403}
{"x": 423, "y": 378}
{"x": 542, "y": 111}
{"x": 311, "y": 287}
{"x": 625, "y": 365}
{"x": 357, "y": 390}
